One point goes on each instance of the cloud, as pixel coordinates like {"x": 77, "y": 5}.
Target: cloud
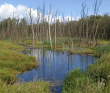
{"x": 8, "y": 10}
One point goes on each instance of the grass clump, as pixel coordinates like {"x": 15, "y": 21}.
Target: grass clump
{"x": 100, "y": 72}
{"x": 7, "y": 45}
{"x": 101, "y": 69}
{"x": 30, "y": 87}
{"x": 71, "y": 82}
{"x": 100, "y": 50}
{"x": 82, "y": 50}
{"x": 96, "y": 79}
{"x": 77, "y": 82}
{"x": 13, "y": 63}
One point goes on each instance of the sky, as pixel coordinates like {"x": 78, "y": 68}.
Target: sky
{"x": 66, "y": 7}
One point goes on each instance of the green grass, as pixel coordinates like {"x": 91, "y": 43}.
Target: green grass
{"x": 101, "y": 69}
{"x": 66, "y": 45}
{"x": 100, "y": 50}
{"x": 77, "y": 82}
{"x": 30, "y": 87}
{"x": 79, "y": 50}
{"x": 13, "y": 63}
{"x": 96, "y": 79}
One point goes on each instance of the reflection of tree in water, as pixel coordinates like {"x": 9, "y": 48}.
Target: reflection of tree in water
{"x": 43, "y": 65}
{"x": 55, "y": 62}
{"x": 54, "y": 65}
{"x": 68, "y": 64}
{"x": 82, "y": 62}
{"x": 71, "y": 60}
{"x": 50, "y": 66}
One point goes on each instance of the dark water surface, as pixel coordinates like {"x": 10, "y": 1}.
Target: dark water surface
{"x": 54, "y": 65}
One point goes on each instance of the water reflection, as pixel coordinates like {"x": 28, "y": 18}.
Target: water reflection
{"x": 54, "y": 65}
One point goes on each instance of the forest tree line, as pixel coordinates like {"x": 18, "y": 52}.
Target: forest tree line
{"x": 98, "y": 26}
{"x": 91, "y": 27}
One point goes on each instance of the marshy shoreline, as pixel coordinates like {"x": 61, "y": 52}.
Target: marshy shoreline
{"x": 96, "y": 78}
{"x": 13, "y": 63}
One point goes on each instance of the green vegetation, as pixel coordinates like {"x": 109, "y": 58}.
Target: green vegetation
{"x": 99, "y": 50}
{"x": 30, "y": 87}
{"x": 77, "y": 82}
{"x": 96, "y": 79}
{"x": 84, "y": 48}
{"x": 13, "y": 63}
{"x": 81, "y": 36}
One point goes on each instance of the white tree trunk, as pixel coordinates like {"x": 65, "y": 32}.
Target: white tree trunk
{"x": 32, "y": 33}
{"x": 55, "y": 26}
{"x": 31, "y": 23}
{"x": 49, "y": 29}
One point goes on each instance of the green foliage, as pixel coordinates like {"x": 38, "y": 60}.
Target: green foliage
{"x": 99, "y": 50}
{"x": 75, "y": 40}
{"x": 46, "y": 43}
{"x": 70, "y": 83}
{"x": 77, "y": 82}
{"x": 28, "y": 42}
{"x": 59, "y": 44}
{"x": 7, "y": 39}
{"x": 66, "y": 41}
{"x": 101, "y": 69}
{"x": 96, "y": 79}
{"x": 12, "y": 62}
{"x": 30, "y": 87}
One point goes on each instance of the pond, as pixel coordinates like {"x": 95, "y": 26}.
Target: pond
{"x": 53, "y": 65}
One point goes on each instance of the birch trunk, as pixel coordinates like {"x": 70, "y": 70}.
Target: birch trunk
{"x": 31, "y": 23}
{"x": 49, "y": 29}
{"x": 55, "y": 26}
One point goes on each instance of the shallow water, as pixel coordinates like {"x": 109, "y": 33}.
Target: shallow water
{"x": 54, "y": 65}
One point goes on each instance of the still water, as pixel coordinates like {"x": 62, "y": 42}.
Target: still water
{"x": 53, "y": 65}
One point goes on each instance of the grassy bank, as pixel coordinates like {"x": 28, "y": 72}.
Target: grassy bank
{"x": 96, "y": 79}
{"x": 30, "y": 87}
{"x": 78, "y": 47}
{"x": 13, "y": 63}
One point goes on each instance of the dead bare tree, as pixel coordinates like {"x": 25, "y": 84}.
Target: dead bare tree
{"x": 96, "y": 10}
{"x": 83, "y": 18}
{"x": 43, "y": 25}
{"x": 31, "y": 23}
{"x": 71, "y": 37}
{"x": 62, "y": 33}
{"x": 55, "y": 25}
{"x": 38, "y": 20}
{"x": 49, "y": 28}
{"x": 87, "y": 28}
